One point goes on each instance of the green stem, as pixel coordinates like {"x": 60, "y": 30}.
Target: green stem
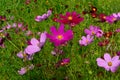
{"x": 12, "y": 44}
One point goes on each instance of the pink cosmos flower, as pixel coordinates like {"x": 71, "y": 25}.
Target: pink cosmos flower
{"x": 110, "y": 19}
{"x": 86, "y": 40}
{"x": 110, "y": 64}
{"x": 117, "y": 30}
{"x": 59, "y": 37}
{"x": 94, "y": 30}
{"x": 44, "y": 16}
{"x": 36, "y": 44}
{"x": 22, "y": 71}
{"x": 70, "y": 18}
{"x": 116, "y": 15}
{"x": 24, "y": 56}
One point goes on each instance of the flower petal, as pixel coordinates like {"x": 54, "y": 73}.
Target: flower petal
{"x": 101, "y": 62}
{"x": 42, "y": 39}
{"x": 32, "y": 49}
{"x": 53, "y": 30}
{"x": 61, "y": 29}
{"x": 107, "y": 57}
{"x": 34, "y": 41}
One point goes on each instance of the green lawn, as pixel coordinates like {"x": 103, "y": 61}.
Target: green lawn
{"x": 82, "y": 66}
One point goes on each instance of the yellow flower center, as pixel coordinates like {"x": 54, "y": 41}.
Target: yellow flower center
{"x": 70, "y": 18}
{"x": 108, "y": 34}
{"x": 94, "y": 9}
{"x": 109, "y": 63}
{"x": 2, "y": 35}
{"x": 104, "y": 17}
{"x": 93, "y": 32}
{"x": 60, "y": 37}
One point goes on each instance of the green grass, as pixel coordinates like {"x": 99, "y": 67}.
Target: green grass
{"x": 78, "y": 69}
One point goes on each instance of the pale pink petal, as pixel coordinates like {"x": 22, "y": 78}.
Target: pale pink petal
{"x": 101, "y": 62}
{"x": 115, "y": 58}
{"x": 32, "y": 49}
{"x": 113, "y": 69}
{"x": 34, "y": 42}
{"x": 107, "y": 57}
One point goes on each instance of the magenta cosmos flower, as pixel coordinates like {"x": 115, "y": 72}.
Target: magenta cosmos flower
{"x": 110, "y": 64}
{"x": 110, "y": 19}
{"x": 59, "y": 37}
{"x": 86, "y": 40}
{"x": 70, "y": 18}
{"x": 94, "y": 30}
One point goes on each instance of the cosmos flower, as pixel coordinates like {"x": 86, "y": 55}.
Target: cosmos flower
{"x": 43, "y": 17}
{"x": 23, "y": 70}
{"x": 116, "y": 15}
{"x": 86, "y": 40}
{"x": 24, "y": 56}
{"x": 107, "y": 35}
{"x": 94, "y": 15}
{"x": 59, "y": 37}
{"x": 117, "y": 30}
{"x": 104, "y": 43}
{"x": 71, "y": 19}
{"x": 110, "y": 64}
{"x": 94, "y": 30}
{"x": 35, "y": 45}
{"x": 102, "y": 17}
{"x": 63, "y": 62}
{"x": 110, "y": 19}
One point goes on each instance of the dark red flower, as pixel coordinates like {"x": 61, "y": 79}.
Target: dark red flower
{"x": 62, "y": 62}
{"x": 102, "y": 17}
{"x": 107, "y": 35}
{"x": 103, "y": 43}
{"x": 93, "y": 9}
{"x": 71, "y": 19}
{"x": 94, "y": 15}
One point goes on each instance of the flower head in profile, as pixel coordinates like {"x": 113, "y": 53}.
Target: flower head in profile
{"x": 44, "y": 16}
{"x": 94, "y": 30}
{"x": 116, "y": 15}
{"x": 110, "y": 19}
{"x": 86, "y": 40}
{"x": 71, "y": 19}
{"x": 62, "y": 62}
{"x": 59, "y": 37}
{"x": 35, "y": 45}
{"x": 24, "y": 56}
{"x": 110, "y": 64}
{"x": 23, "y": 70}
{"x": 104, "y": 42}
{"x": 102, "y": 17}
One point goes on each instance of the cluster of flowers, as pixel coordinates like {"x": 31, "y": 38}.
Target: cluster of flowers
{"x": 103, "y": 17}
{"x": 44, "y": 16}
{"x": 60, "y": 37}
{"x": 93, "y": 30}
{"x": 33, "y": 47}
{"x": 16, "y": 26}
